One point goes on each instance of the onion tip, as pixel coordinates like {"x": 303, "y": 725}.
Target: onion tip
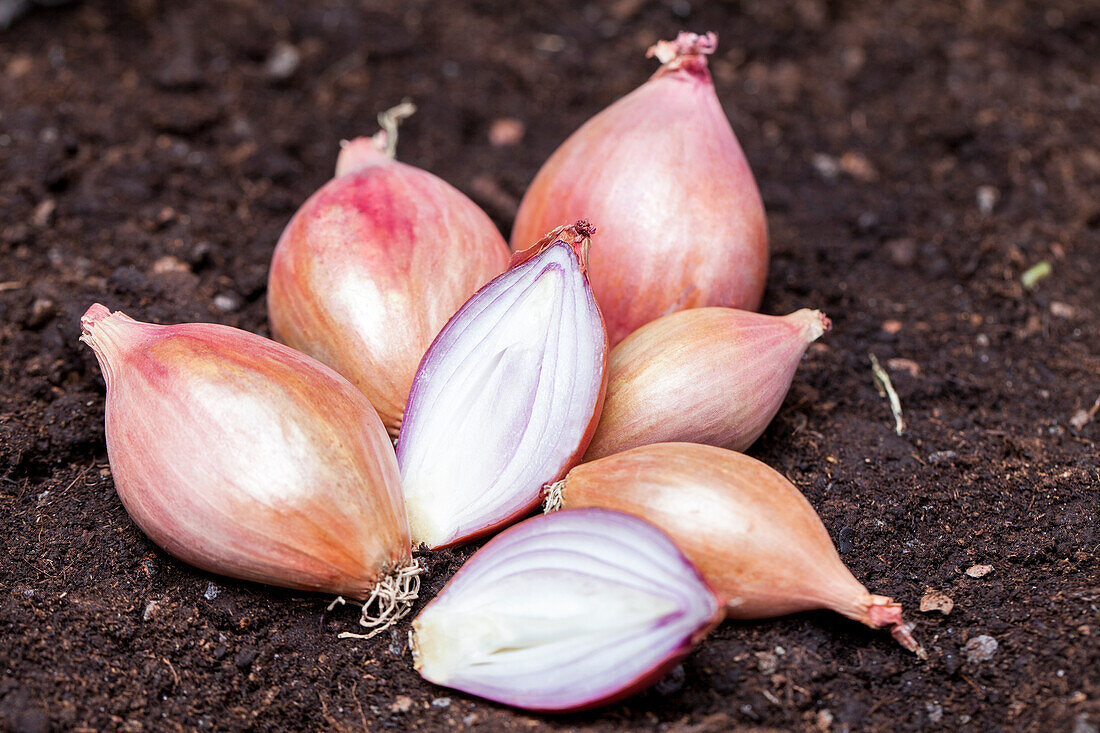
{"x": 885, "y": 612}
{"x": 577, "y": 236}
{"x": 814, "y": 323}
{"x": 687, "y": 46}
{"x": 363, "y": 152}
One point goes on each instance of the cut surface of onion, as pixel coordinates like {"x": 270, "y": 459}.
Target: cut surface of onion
{"x": 565, "y": 612}
{"x": 506, "y": 397}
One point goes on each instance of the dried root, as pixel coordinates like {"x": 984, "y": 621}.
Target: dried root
{"x": 390, "y": 601}
{"x": 553, "y": 500}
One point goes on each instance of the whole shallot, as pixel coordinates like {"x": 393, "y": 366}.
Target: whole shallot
{"x": 705, "y": 375}
{"x": 751, "y": 533}
{"x": 373, "y": 265}
{"x": 682, "y": 222}
{"x": 244, "y": 457}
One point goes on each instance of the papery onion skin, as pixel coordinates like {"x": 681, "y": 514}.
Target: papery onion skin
{"x": 243, "y": 457}
{"x": 749, "y": 531}
{"x": 372, "y": 266}
{"x": 577, "y": 239}
{"x": 581, "y": 541}
{"x": 706, "y": 375}
{"x": 682, "y": 224}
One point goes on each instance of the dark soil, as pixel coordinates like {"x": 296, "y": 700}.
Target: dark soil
{"x": 915, "y": 159}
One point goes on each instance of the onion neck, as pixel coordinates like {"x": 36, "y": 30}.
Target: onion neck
{"x": 688, "y": 53}
{"x": 364, "y": 152}
{"x": 813, "y": 323}
{"x": 880, "y": 612}
{"x": 577, "y": 236}
{"x": 103, "y": 331}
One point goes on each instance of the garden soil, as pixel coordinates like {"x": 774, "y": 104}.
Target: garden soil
{"x": 916, "y": 160}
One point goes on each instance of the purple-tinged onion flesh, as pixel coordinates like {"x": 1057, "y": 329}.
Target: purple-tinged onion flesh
{"x": 507, "y": 396}
{"x": 565, "y": 612}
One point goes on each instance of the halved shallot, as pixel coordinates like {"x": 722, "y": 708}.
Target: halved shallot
{"x": 507, "y": 396}
{"x": 681, "y": 221}
{"x": 565, "y": 612}
{"x": 373, "y": 265}
{"x": 244, "y": 457}
{"x": 751, "y": 533}
{"x": 705, "y": 375}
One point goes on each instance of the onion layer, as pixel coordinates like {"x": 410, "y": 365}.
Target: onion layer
{"x": 565, "y": 612}
{"x": 705, "y": 375}
{"x": 682, "y": 222}
{"x": 507, "y": 396}
{"x": 373, "y": 265}
{"x": 244, "y": 457}
{"x": 751, "y": 533}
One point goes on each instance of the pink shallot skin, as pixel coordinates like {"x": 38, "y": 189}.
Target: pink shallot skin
{"x": 682, "y": 224}
{"x": 706, "y": 375}
{"x": 753, "y": 535}
{"x": 373, "y": 265}
{"x": 243, "y": 457}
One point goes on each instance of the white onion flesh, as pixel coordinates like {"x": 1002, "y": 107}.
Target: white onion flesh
{"x": 565, "y": 611}
{"x": 502, "y": 400}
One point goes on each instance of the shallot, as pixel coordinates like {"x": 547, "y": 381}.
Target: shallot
{"x": 705, "y": 375}
{"x": 682, "y": 222}
{"x": 565, "y": 612}
{"x": 751, "y": 533}
{"x": 507, "y": 396}
{"x": 244, "y": 457}
{"x": 373, "y": 265}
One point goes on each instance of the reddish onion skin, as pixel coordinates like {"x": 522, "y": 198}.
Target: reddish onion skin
{"x": 246, "y": 458}
{"x": 682, "y": 224}
{"x": 748, "y": 530}
{"x": 372, "y": 266}
{"x": 706, "y": 375}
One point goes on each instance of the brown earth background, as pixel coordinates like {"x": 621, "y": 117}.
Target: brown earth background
{"x": 915, "y": 159}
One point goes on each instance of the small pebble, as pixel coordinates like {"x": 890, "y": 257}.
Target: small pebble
{"x": 980, "y": 649}
{"x": 826, "y": 166}
{"x": 282, "y": 62}
{"x": 987, "y": 197}
{"x": 441, "y": 702}
{"x": 42, "y": 312}
{"x": 212, "y": 592}
{"x": 506, "y": 131}
{"x": 978, "y": 571}
{"x": 169, "y": 264}
{"x": 227, "y": 302}
{"x": 935, "y": 712}
{"x": 401, "y": 704}
{"x": 151, "y": 609}
{"x": 934, "y": 600}
{"x": 43, "y": 213}
{"x": 766, "y": 662}
{"x": 942, "y": 456}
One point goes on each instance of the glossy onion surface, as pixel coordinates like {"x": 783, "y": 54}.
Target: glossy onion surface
{"x": 372, "y": 266}
{"x": 244, "y": 457}
{"x": 565, "y": 612}
{"x": 681, "y": 221}
{"x": 751, "y": 533}
{"x": 706, "y": 375}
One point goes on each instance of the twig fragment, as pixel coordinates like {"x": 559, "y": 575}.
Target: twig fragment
{"x": 886, "y": 389}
